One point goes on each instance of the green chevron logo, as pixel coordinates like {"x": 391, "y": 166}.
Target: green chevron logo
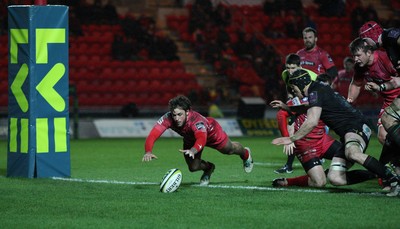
{"x": 16, "y": 87}
{"x": 46, "y": 87}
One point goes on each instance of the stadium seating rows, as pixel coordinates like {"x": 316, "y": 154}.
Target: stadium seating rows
{"x": 95, "y": 73}
{"x": 334, "y": 36}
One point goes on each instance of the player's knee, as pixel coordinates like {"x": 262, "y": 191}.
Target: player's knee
{"x": 193, "y": 167}
{"x": 337, "y": 174}
{"x": 318, "y": 183}
{"x": 336, "y": 179}
{"x": 353, "y": 150}
{"x": 382, "y": 138}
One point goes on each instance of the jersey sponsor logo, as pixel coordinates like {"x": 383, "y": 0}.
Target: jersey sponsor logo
{"x": 367, "y": 131}
{"x": 200, "y": 125}
{"x": 313, "y": 97}
{"x": 394, "y": 33}
{"x": 305, "y": 62}
{"x": 161, "y": 120}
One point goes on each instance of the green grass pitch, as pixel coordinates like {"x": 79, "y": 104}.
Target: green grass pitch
{"x": 111, "y": 187}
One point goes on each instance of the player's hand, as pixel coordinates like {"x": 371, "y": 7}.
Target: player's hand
{"x": 187, "y": 152}
{"x": 289, "y": 149}
{"x": 282, "y": 141}
{"x": 280, "y": 105}
{"x": 276, "y": 104}
{"x": 149, "y": 157}
{"x": 371, "y": 86}
{"x": 349, "y": 100}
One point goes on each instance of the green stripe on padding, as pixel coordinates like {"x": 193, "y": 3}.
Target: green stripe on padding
{"x": 18, "y": 36}
{"x": 13, "y": 135}
{"x": 24, "y": 135}
{"x": 60, "y": 134}
{"x": 42, "y": 135}
{"x": 43, "y": 38}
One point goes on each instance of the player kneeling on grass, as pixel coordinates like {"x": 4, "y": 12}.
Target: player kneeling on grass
{"x": 346, "y": 121}
{"x": 311, "y": 149}
{"x": 197, "y": 131}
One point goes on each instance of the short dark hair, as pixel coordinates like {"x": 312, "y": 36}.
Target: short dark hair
{"x": 293, "y": 58}
{"x": 180, "y": 101}
{"x": 348, "y": 59}
{"x": 359, "y": 44}
{"x": 310, "y": 29}
{"x": 324, "y": 77}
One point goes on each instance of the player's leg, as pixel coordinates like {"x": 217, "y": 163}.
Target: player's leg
{"x": 315, "y": 176}
{"x": 354, "y": 150}
{"x": 238, "y": 149}
{"x": 309, "y": 157}
{"x": 381, "y": 134}
{"x": 198, "y": 164}
{"x": 223, "y": 144}
{"x": 338, "y": 174}
{"x": 391, "y": 121}
{"x": 288, "y": 167}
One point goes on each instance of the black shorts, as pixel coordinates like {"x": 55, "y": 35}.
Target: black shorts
{"x": 334, "y": 150}
{"x": 362, "y": 130}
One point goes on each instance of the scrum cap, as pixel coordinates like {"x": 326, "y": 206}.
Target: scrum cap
{"x": 300, "y": 78}
{"x": 371, "y": 30}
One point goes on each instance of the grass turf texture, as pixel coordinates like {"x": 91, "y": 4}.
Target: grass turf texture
{"x": 108, "y": 193}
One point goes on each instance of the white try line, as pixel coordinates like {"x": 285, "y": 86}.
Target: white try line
{"x": 104, "y": 181}
{"x": 222, "y": 186}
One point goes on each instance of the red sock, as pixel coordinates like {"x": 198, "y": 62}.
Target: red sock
{"x": 245, "y": 155}
{"x": 298, "y": 181}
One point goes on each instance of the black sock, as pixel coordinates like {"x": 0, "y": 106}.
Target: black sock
{"x": 387, "y": 153}
{"x": 289, "y": 162}
{"x": 374, "y": 166}
{"x": 358, "y": 176}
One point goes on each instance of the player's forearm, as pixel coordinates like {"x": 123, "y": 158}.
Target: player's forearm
{"x": 390, "y": 85}
{"x": 154, "y": 134}
{"x": 353, "y": 93}
{"x": 305, "y": 128}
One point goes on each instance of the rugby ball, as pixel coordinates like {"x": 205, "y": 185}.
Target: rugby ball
{"x": 171, "y": 181}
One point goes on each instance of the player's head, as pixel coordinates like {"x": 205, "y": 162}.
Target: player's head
{"x": 310, "y": 38}
{"x": 348, "y": 64}
{"x": 292, "y": 62}
{"x": 179, "y": 108}
{"x": 361, "y": 51}
{"x": 371, "y": 30}
{"x": 324, "y": 78}
{"x": 298, "y": 81}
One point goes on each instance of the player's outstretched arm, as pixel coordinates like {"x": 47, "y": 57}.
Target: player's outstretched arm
{"x": 282, "y": 141}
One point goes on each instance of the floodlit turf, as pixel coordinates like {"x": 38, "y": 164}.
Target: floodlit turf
{"x": 111, "y": 188}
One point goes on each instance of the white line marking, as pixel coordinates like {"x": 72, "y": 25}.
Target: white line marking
{"x": 225, "y": 187}
{"x": 104, "y": 181}
{"x": 264, "y": 188}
